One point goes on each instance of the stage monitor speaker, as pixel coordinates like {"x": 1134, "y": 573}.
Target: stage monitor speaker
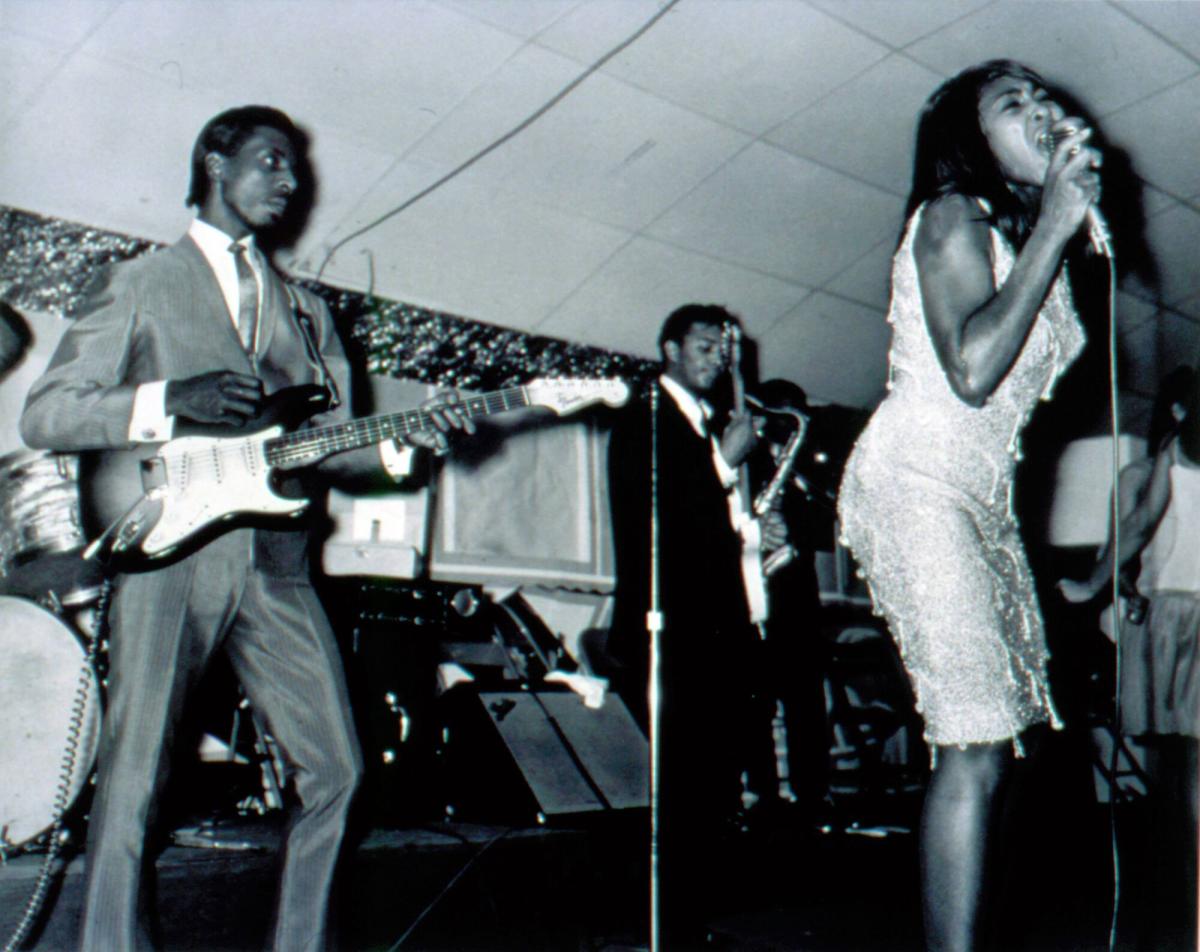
{"x": 568, "y": 759}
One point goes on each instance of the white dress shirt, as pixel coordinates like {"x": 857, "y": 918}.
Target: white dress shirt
{"x": 150, "y": 422}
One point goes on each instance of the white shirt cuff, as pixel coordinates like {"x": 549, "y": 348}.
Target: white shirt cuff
{"x": 396, "y": 459}
{"x": 727, "y": 474}
{"x": 149, "y": 422}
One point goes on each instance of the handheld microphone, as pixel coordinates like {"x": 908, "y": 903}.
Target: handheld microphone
{"x": 1097, "y": 227}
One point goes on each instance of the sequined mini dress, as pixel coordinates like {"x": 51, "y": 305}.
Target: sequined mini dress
{"x": 926, "y": 509}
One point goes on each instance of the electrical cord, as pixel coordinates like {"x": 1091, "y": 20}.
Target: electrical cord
{"x": 446, "y": 889}
{"x": 496, "y": 143}
{"x": 62, "y": 796}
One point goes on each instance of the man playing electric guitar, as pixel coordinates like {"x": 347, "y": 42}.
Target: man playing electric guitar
{"x": 201, "y": 331}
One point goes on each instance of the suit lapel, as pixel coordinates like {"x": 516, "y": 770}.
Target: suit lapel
{"x": 210, "y": 313}
{"x": 276, "y": 304}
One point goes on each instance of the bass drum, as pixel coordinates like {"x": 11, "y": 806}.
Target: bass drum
{"x": 49, "y": 720}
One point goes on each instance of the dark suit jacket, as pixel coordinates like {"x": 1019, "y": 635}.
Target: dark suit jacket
{"x": 699, "y": 552}
{"x": 162, "y": 317}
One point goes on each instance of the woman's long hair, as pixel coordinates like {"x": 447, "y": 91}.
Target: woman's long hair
{"x": 954, "y": 156}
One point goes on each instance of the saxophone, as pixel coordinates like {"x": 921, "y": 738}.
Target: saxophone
{"x": 769, "y": 494}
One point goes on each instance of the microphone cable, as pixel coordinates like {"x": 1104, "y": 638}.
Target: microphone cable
{"x": 1115, "y": 555}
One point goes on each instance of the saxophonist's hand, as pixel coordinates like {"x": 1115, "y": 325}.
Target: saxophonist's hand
{"x": 774, "y": 531}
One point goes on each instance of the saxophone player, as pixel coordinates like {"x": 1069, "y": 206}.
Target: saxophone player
{"x": 792, "y": 664}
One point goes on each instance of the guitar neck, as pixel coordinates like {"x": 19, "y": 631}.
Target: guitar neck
{"x": 739, "y": 402}
{"x": 309, "y": 446}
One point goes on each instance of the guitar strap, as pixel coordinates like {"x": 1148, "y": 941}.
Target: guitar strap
{"x": 308, "y": 334}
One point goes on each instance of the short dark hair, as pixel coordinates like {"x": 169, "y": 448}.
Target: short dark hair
{"x": 681, "y": 320}
{"x": 779, "y": 392}
{"x": 953, "y": 155}
{"x": 227, "y": 132}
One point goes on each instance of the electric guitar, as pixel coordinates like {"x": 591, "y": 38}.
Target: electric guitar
{"x": 155, "y": 498}
{"x": 750, "y": 530}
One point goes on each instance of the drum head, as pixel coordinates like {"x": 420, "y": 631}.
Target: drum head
{"x": 42, "y": 666}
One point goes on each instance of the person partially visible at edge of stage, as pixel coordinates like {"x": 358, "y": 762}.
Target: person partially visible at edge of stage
{"x": 707, "y": 677}
{"x": 983, "y": 326}
{"x": 1159, "y": 690}
{"x": 792, "y": 658}
{"x": 202, "y": 330}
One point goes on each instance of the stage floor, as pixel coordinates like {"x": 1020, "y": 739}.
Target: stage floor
{"x": 581, "y": 887}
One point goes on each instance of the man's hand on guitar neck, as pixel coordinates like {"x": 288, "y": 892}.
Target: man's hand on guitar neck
{"x": 741, "y": 435}
{"x": 220, "y": 396}
{"x": 447, "y": 418}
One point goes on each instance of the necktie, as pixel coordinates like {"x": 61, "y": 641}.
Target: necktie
{"x": 247, "y": 320}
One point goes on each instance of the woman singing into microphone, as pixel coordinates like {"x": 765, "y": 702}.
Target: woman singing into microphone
{"x": 983, "y": 326}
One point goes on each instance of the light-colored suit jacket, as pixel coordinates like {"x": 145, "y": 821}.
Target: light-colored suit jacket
{"x": 162, "y": 317}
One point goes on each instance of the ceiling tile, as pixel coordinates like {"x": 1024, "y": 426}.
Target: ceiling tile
{"x": 1174, "y": 236}
{"x": 1162, "y": 146}
{"x": 1140, "y": 358}
{"x": 608, "y": 152}
{"x": 1178, "y": 21}
{"x": 476, "y": 253}
{"x": 783, "y": 215}
{"x": 69, "y": 157}
{"x": 26, "y": 66}
{"x": 1179, "y": 342}
{"x": 1155, "y": 200}
{"x": 62, "y": 23}
{"x": 869, "y": 279}
{"x": 384, "y": 72}
{"x": 1090, "y": 49}
{"x": 519, "y": 87}
{"x": 1134, "y": 313}
{"x": 885, "y": 100}
{"x": 899, "y": 24}
{"x": 835, "y": 350}
{"x": 750, "y": 65}
{"x": 623, "y": 304}
{"x": 1188, "y": 308}
{"x": 518, "y": 17}
{"x": 592, "y": 29}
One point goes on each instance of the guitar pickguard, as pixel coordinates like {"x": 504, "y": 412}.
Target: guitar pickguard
{"x": 209, "y": 480}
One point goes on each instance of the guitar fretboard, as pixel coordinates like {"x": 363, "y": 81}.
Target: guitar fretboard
{"x": 308, "y": 446}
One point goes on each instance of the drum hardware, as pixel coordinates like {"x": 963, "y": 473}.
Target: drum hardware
{"x": 42, "y": 537}
{"x": 75, "y": 765}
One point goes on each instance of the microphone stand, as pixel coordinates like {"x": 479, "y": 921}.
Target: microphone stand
{"x": 654, "y": 626}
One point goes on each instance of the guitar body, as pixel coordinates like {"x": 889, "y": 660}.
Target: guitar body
{"x": 146, "y": 502}
{"x": 155, "y": 502}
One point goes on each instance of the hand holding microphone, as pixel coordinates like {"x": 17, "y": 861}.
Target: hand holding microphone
{"x": 1049, "y": 141}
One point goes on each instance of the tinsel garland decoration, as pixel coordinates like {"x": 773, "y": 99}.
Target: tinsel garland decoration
{"x": 401, "y": 340}
{"x": 47, "y": 264}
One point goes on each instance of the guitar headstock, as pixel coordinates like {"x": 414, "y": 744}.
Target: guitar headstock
{"x": 731, "y": 344}
{"x": 566, "y": 395}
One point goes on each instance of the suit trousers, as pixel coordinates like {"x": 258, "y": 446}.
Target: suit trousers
{"x": 167, "y": 625}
